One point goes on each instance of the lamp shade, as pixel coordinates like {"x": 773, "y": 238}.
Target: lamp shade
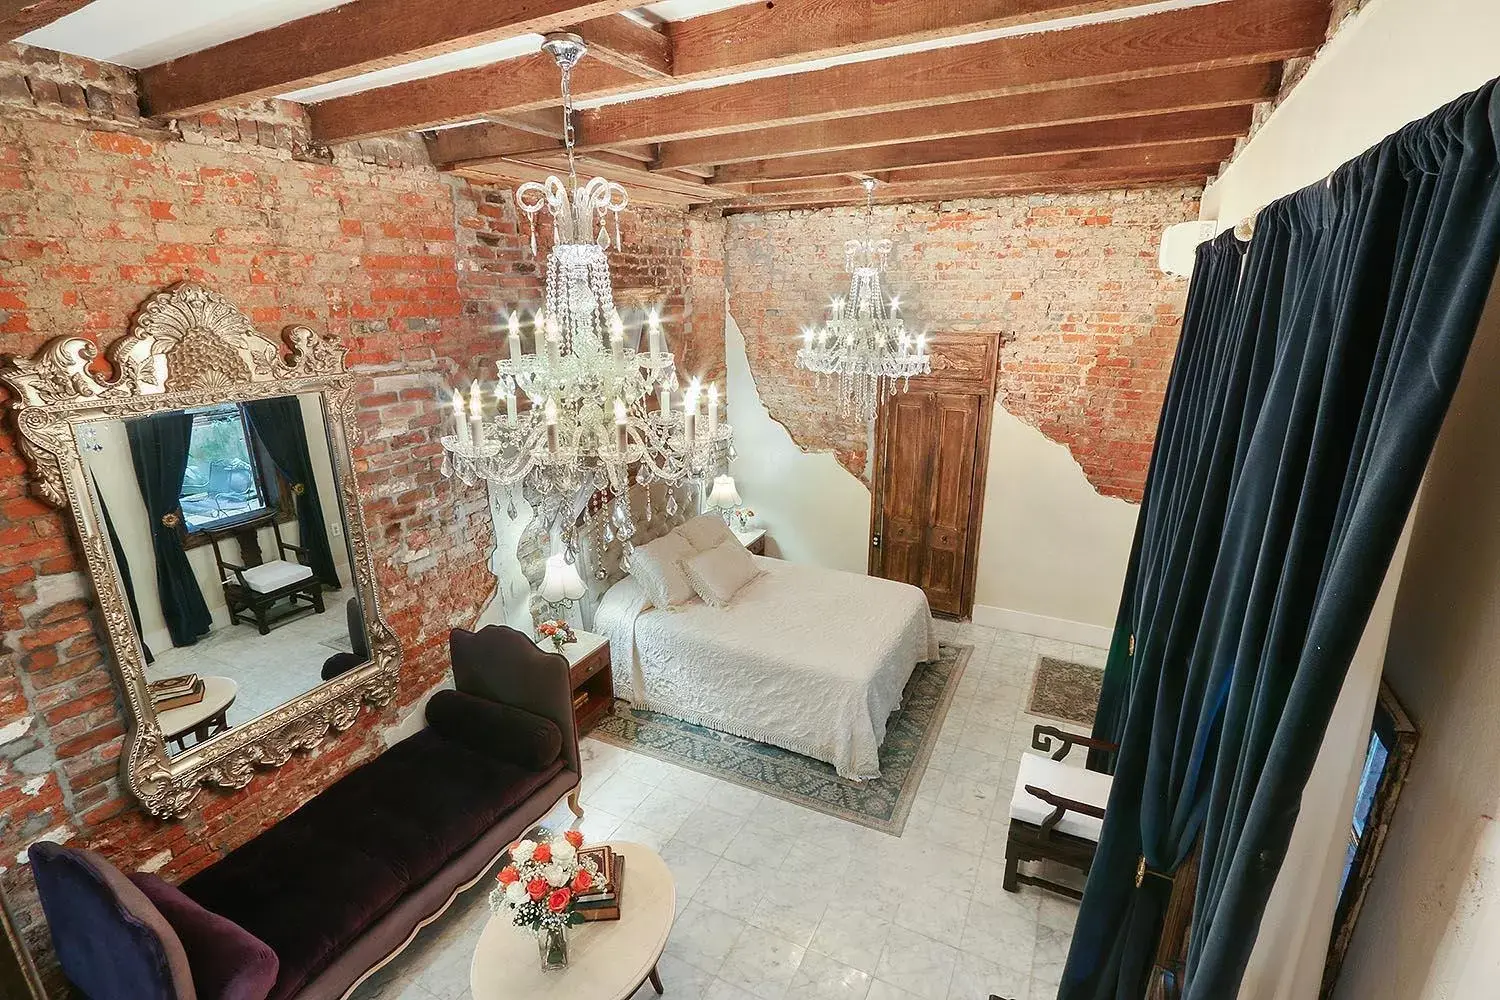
{"x": 724, "y": 495}
{"x": 561, "y": 582}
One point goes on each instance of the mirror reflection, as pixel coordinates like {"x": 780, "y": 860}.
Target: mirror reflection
{"x": 231, "y": 546}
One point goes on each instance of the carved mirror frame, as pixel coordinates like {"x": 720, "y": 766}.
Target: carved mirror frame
{"x": 188, "y": 346}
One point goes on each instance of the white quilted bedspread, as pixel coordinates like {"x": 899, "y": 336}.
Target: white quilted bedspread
{"x": 810, "y": 659}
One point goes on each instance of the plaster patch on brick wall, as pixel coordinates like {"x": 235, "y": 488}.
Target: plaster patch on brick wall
{"x": 815, "y": 510}
{"x": 15, "y": 730}
{"x": 56, "y": 835}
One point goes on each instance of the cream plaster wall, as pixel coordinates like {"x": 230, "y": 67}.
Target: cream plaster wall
{"x": 1052, "y": 550}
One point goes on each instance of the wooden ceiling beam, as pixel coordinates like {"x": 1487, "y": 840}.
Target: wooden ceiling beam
{"x": 1238, "y": 85}
{"x": 483, "y": 91}
{"x": 346, "y": 41}
{"x": 1146, "y": 130}
{"x": 1056, "y": 182}
{"x": 1232, "y": 33}
{"x": 627, "y": 44}
{"x": 508, "y": 173}
{"x": 758, "y": 36}
{"x": 17, "y": 17}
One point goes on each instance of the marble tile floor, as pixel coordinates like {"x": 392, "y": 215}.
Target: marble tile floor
{"x": 778, "y": 902}
{"x": 269, "y": 669}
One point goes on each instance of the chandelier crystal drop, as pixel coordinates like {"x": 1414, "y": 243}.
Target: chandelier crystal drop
{"x": 589, "y": 418}
{"x": 864, "y": 347}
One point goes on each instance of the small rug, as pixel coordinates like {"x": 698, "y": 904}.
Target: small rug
{"x": 1065, "y": 691}
{"x": 340, "y": 642}
{"x": 882, "y": 803}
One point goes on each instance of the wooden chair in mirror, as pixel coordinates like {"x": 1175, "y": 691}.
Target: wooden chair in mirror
{"x": 254, "y": 586}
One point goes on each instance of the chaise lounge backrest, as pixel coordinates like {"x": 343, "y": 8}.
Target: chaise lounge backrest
{"x": 501, "y": 664}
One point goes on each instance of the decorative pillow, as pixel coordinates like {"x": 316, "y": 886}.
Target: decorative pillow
{"x": 228, "y": 962}
{"x": 706, "y": 531}
{"x": 718, "y": 574}
{"x": 657, "y": 566}
{"x": 495, "y": 729}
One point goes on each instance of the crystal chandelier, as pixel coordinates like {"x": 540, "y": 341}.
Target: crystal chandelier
{"x": 864, "y": 344}
{"x": 588, "y": 421}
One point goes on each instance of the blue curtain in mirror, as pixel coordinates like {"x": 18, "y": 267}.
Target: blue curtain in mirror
{"x": 1347, "y": 334}
{"x": 159, "y": 452}
{"x": 279, "y": 425}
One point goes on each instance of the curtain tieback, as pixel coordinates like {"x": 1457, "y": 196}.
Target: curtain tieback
{"x": 1141, "y": 871}
{"x": 298, "y": 489}
{"x": 171, "y": 520}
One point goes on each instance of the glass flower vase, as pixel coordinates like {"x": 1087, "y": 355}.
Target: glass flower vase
{"x": 552, "y": 945}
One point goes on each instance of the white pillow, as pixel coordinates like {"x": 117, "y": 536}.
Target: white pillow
{"x": 718, "y": 574}
{"x": 706, "y": 531}
{"x": 657, "y": 567}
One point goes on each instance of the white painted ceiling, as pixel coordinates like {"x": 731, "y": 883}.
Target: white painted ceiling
{"x": 139, "y": 33}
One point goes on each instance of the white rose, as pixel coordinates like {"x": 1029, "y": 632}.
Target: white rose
{"x": 556, "y": 875}
{"x": 563, "y": 852}
{"x": 515, "y": 894}
{"x": 523, "y": 851}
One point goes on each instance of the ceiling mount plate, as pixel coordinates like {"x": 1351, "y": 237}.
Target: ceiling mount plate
{"x": 566, "y": 47}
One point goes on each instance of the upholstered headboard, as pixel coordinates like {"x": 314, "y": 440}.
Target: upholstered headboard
{"x": 603, "y": 543}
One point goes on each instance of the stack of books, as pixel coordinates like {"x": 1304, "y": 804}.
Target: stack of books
{"x": 603, "y": 901}
{"x": 176, "y": 692}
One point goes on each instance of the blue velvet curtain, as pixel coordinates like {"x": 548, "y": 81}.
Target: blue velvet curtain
{"x": 279, "y": 425}
{"x": 159, "y": 452}
{"x": 1303, "y": 414}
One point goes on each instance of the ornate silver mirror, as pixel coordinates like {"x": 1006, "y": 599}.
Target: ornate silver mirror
{"x": 210, "y": 478}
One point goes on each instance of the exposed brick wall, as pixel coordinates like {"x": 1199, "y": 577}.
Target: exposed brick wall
{"x": 1071, "y": 280}
{"x": 99, "y": 208}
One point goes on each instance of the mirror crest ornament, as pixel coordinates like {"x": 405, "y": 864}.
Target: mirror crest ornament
{"x": 189, "y": 347}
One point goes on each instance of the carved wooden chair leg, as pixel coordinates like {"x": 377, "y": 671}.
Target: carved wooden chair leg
{"x": 656, "y": 980}
{"x": 573, "y": 805}
{"x": 1012, "y": 869}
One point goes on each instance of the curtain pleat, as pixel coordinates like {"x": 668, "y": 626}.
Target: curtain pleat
{"x": 1301, "y": 418}
{"x": 159, "y": 452}
{"x": 279, "y": 425}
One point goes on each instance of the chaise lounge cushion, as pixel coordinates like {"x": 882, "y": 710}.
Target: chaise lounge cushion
{"x": 228, "y": 962}
{"x": 310, "y": 885}
{"x": 111, "y": 940}
{"x": 495, "y": 730}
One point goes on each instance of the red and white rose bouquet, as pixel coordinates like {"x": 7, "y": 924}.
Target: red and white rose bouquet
{"x": 538, "y": 886}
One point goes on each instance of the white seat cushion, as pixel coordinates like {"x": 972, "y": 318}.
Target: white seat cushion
{"x": 1064, "y": 780}
{"x": 275, "y": 574}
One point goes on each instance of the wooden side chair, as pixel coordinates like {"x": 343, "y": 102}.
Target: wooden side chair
{"x": 254, "y": 585}
{"x": 1056, "y": 811}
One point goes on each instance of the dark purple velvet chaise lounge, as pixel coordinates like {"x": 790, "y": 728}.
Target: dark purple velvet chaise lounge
{"x": 314, "y": 904}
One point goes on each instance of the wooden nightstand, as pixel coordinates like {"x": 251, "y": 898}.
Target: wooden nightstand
{"x": 588, "y": 675}
{"x": 753, "y": 539}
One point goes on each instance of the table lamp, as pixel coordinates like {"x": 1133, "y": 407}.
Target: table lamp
{"x": 724, "y": 496}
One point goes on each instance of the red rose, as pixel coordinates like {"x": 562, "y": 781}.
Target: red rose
{"x": 537, "y": 888}
{"x": 574, "y": 837}
{"x": 508, "y": 874}
{"x": 542, "y": 854}
{"x": 583, "y": 881}
{"x": 558, "y": 901}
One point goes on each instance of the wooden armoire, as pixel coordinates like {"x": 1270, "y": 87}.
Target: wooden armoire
{"x": 931, "y": 448}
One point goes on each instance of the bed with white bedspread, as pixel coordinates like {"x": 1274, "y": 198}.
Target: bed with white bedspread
{"x": 809, "y": 659}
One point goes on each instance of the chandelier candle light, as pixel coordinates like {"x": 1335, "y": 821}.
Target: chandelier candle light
{"x": 587, "y": 421}
{"x": 864, "y": 344}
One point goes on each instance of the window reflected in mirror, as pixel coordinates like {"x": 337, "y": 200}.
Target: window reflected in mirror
{"x": 230, "y": 541}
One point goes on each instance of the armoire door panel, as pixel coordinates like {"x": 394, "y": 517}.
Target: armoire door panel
{"x": 951, "y": 485}
{"x": 904, "y": 495}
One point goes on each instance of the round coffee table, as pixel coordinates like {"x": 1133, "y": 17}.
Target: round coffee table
{"x": 607, "y": 959}
{"x": 202, "y": 720}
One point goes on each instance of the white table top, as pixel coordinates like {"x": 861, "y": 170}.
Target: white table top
{"x": 576, "y": 652}
{"x": 218, "y": 694}
{"x": 607, "y": 959}
{"x": 750, "y": 536}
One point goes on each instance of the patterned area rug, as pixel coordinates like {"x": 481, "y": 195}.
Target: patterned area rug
{"x": 882, "y": 803}
{"x": 1065, "y": 691}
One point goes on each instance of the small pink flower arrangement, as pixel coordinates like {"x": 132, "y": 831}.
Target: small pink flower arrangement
{"x": 558, "y": 631}
{"x": 744, "y": 514}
